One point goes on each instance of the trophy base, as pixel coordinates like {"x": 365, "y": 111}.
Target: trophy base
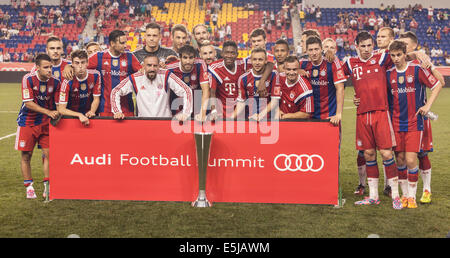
{"x": 201, "y": 201}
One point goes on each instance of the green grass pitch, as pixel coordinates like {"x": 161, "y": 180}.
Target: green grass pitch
{"x": 20, "y": 217}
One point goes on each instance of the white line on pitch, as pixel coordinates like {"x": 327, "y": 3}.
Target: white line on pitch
{"x": 349, "y": 107}
{"x": 1, "y": 111}
{"x": 7, "y": 136}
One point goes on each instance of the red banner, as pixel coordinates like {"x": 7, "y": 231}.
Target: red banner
{"x": 155, "y": 160}
{"x": 16, "y": 67}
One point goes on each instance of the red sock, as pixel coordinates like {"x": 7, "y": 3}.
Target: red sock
{"x": 424, "y": 162}
{"x": 372, "y": 169}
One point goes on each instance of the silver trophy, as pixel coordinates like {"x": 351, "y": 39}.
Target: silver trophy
{"x": 202, "y": 145}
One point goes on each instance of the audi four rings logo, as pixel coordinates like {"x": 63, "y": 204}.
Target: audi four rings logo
{"x": 295, "y": 162}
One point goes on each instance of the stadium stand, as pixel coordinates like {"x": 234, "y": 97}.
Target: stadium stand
{"x": 21, "y": 40}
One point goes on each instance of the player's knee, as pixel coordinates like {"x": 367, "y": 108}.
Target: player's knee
{"x": 26, "y": 156}
{"x": 386, "y": 154}
{"x": 370, "y": 154}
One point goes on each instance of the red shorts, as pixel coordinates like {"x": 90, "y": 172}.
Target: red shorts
{"x": 408, "y": 141}
{"x": 427, "y": 138}
{"x": 374, "y": 131}
{"x": 27, "y": 136}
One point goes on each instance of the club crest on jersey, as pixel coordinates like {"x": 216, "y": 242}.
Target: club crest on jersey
{"x": 26, "y": 93}
{"x": 372, "y": 61}
{"x": 42, "y": 88}
{"x": 115, "y": 62}
{"x": 186, "y": 79}
{"x": 62, "y": 96}
{"x": 91, "y": 85}
{"x": 401, "y": 79}
{"x": 315, "y": 72}
{"x": 292, "y": 95}
{"x": 83, "y": 86}
{"x": 410, "y": 78}
{"x": 276, "y": 91}
{"x": 193, "y": 77}
{"x": 124, "y": 63}
{"x": 22, "y": 143}
{"x": 50, "y": 89}
{"x": 323, "y": 73}
{"x": 56, "y": 74}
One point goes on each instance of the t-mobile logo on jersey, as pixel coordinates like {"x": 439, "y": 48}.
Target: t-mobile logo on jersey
{"x": 357, "y": 72}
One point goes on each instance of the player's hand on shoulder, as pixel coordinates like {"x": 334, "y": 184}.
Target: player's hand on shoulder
{"x": 303, "y": 73}
{"x": 67, "y": 73}
{"x": 330, "y": 56}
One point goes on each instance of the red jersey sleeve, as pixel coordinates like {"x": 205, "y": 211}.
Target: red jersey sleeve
{"x": 93, "y": 61}
{"x": 427, "y": 78}
{"x": 63, "y": 96}
{"x": 241, "y": 89}
{"x": 27, "y": 88}
{"x": 276, "y": 86}
{"x": 204, "y": 77}
{"x": 338, "y": 72}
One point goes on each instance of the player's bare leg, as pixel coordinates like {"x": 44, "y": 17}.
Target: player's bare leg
{"x": 372, "y": 178}
{"x": 25, "y": 165}
{"x": 45, "y": 155}
{"x": 361, "y": 163}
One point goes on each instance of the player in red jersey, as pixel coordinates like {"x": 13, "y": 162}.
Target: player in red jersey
{"x": 405, "y": 83}
{"x": 194, "y": 72}
{"x": 54, "y": 49}
{"x": 291, "y": 96}
{"x": 411, "y": 41}
{"x": 373, "y": 124}
{"x": 224, "y": 79}
{"x": 80, "y": 97}
{"x": 38, "y": 96}
{"x": 114, "y": 65}
{"x": 280, "y": 53}
{"x": 248, "y": 95}
{"x": 327, "y": 80}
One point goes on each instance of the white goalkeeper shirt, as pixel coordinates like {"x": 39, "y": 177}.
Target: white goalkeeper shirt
{"x": 152, "y": 96}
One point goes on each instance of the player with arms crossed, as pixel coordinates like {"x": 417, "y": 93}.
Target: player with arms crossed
{"x": 80, "y": 97}
{"x": 38, "y": 96}
{"x": 152, "y": 90}
{"x": 373, "y": 123}
{"x": 327, "y": 80}
{"x": 405, "y": 82}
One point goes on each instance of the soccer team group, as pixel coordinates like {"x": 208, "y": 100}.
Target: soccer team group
{"x": 389, "y": 82}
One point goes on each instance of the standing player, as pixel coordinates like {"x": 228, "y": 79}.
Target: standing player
{"x": 405, "y": 82}
{"x": 152, "y": 91}
{"x": 385, "y": 36}
{"x": 194, "y": 72}
{"x": 207, "y": 52}
{"x": 247, "y": 86}
{"x": 80, "y": 97}
{"x": 373, "y": 124}
{"x": 152, "y": 45}
{"x": 92, "y": 48}
{"x": 54, "y": 49}
{"x": 424, "y": 162}
{"x": 201, "y": 34}
{"x": 179, "y": 37}
{"x": 293, "y": 93}
{"x": 224, "y": 80}
{"x": 38, "y": 96}
{"x": 327, "y": 80}
{"x": 280, "y": 52}
{"x": 114, "y": 65}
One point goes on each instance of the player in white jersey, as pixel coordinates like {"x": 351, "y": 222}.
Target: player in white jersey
{"x": 152, "y": 89}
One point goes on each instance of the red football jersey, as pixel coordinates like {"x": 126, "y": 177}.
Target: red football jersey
{"x": 113, "y": 70}
{"x": 42, "y": 93}
{"x": 369, "y": 80}
{"x": 406, "y": 96}
{"x": 294, "y": 97}
{"x": 225, "y": 82}
{"x": 78, "y": 94}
